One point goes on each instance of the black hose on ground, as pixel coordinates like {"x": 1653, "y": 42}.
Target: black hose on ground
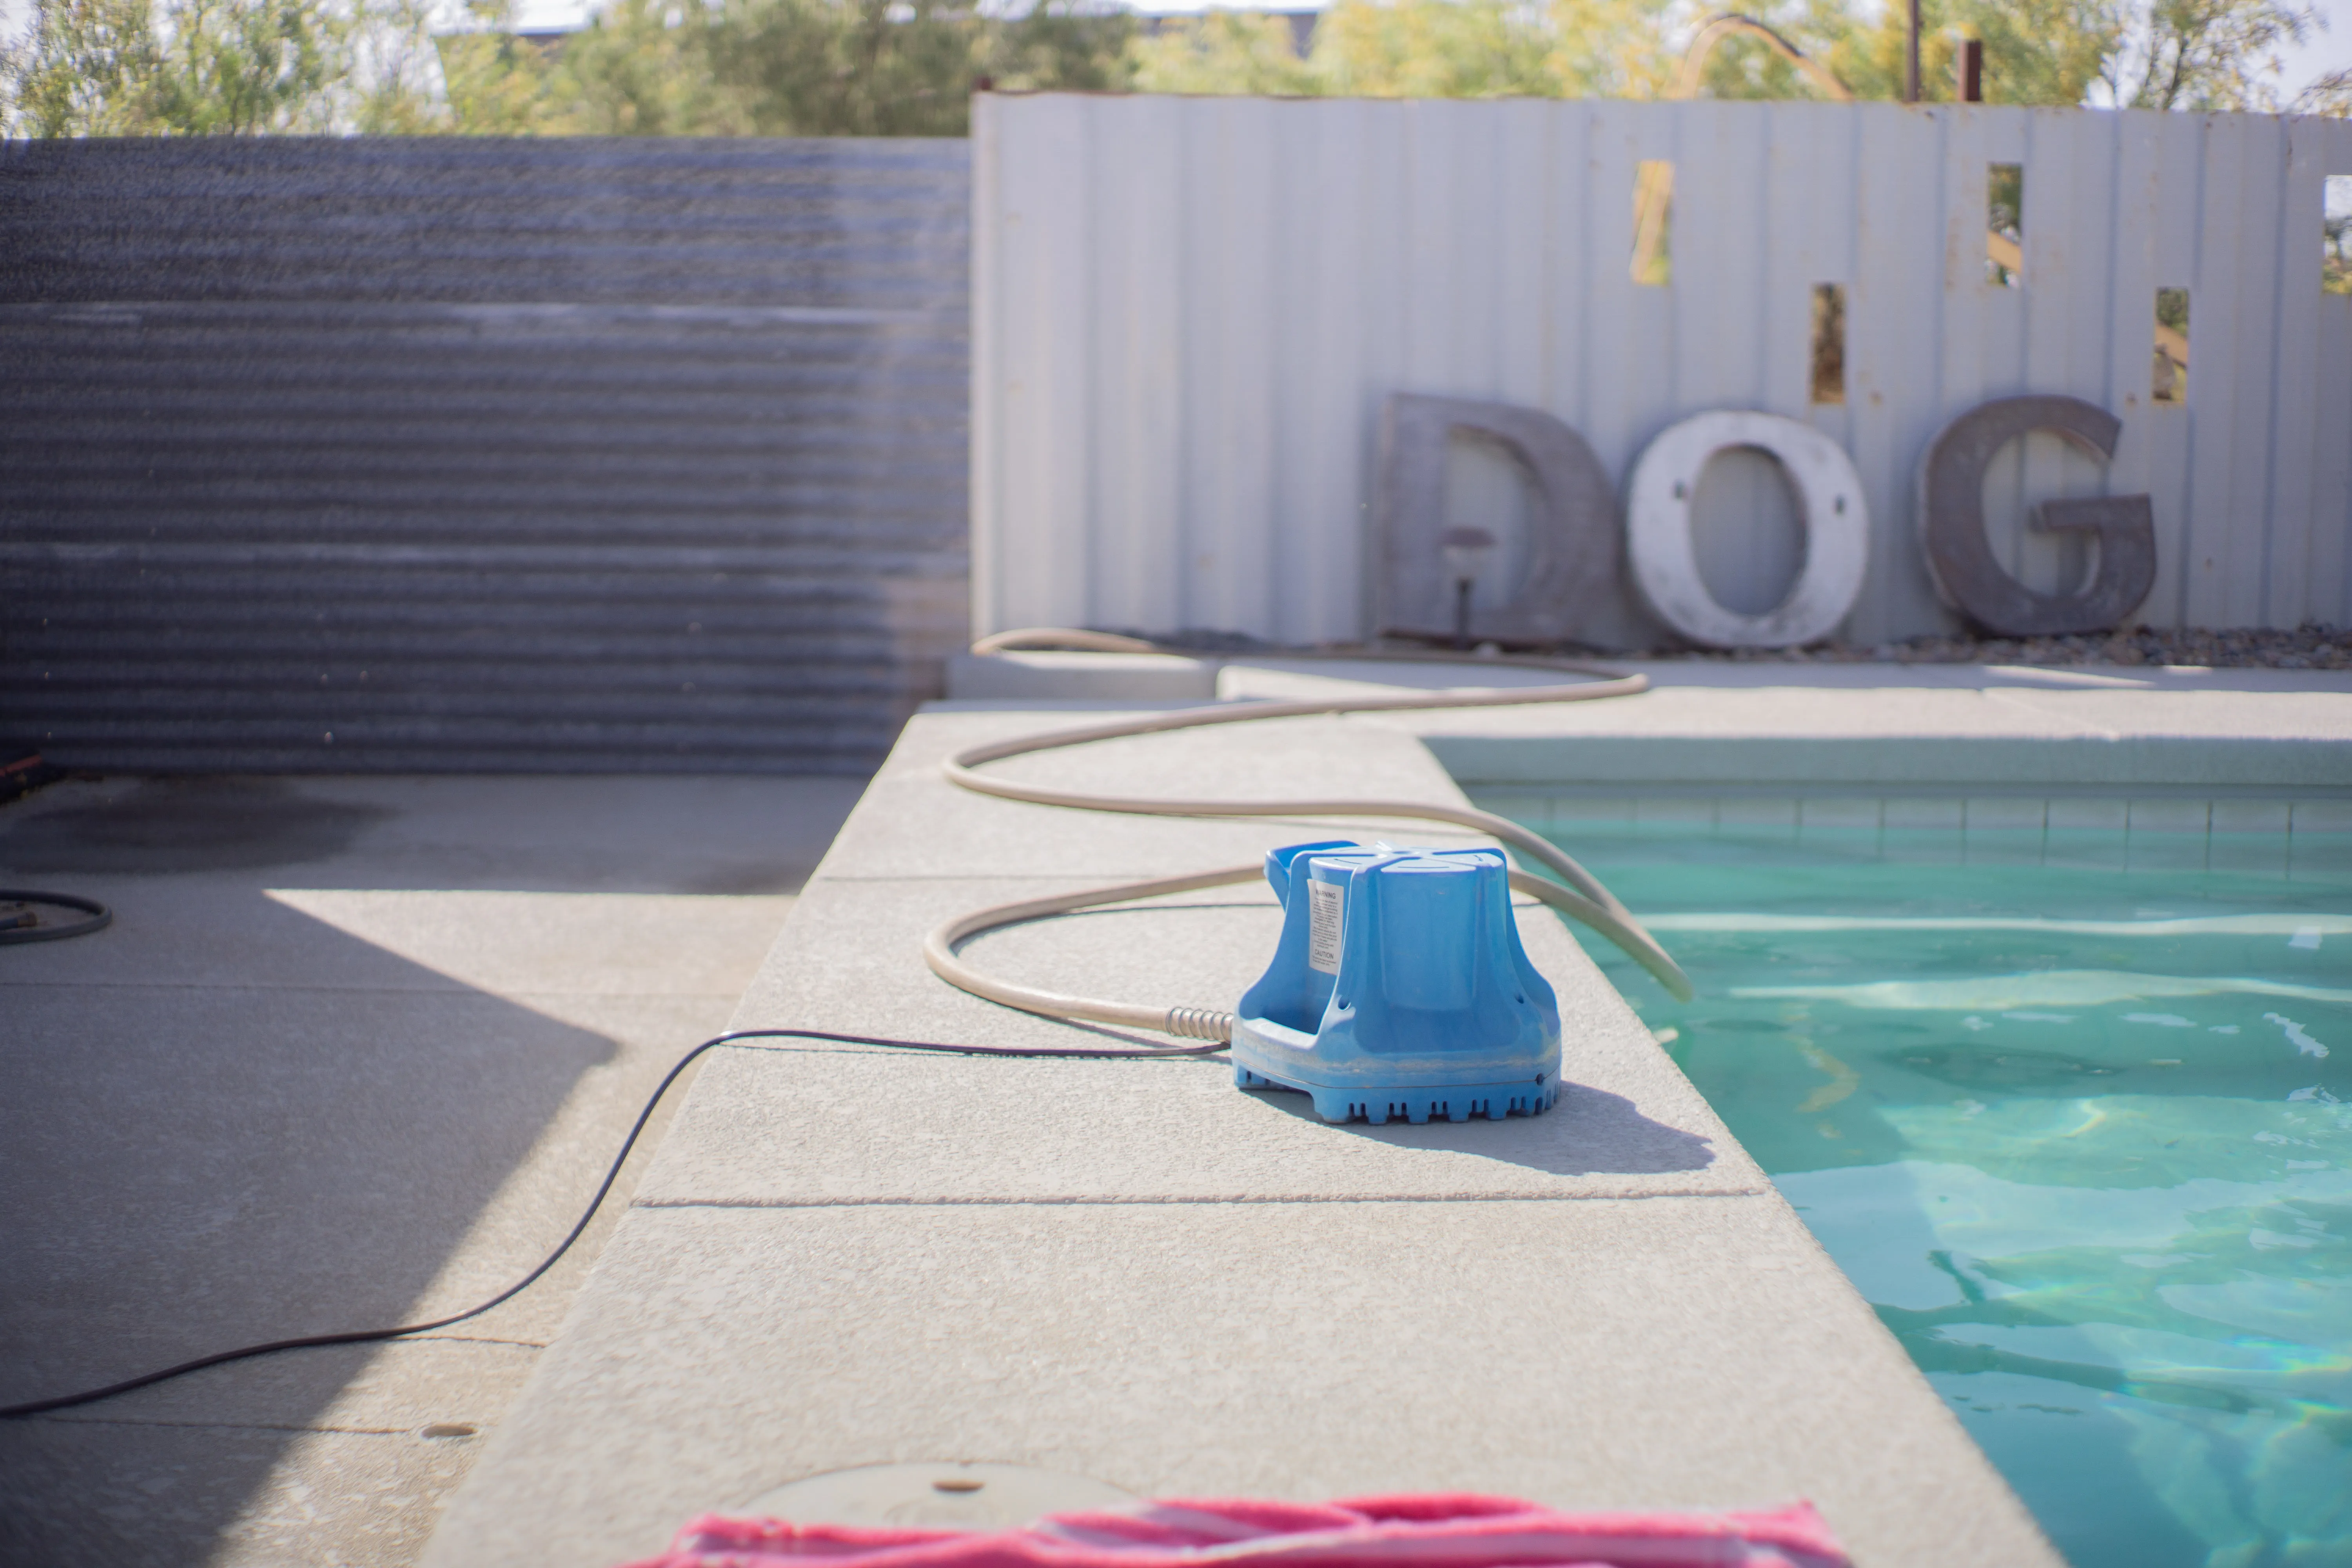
{"x": 603, "y": 1189}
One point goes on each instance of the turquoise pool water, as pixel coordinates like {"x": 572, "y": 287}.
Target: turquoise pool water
{"x": 2068, "y": 1105}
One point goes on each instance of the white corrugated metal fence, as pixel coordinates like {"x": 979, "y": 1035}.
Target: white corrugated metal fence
{"x": 1188, "y": 311}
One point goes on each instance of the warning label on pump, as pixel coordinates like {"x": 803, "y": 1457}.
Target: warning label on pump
{"x": 1325, "y": 901}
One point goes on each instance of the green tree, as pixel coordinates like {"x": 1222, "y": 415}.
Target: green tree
{"x": 2330, "y": 95}
{"x": 907, "y": 67}
{"x": 2196, "y": 55}
{"x": 239, "y": 66}
{"x": 389, "y": 73}
{"x": 848, "y": 67}
{"x": 1061, "y": 45}
{"x": 1741, "y": 65}
{"x": 1611, "y": 48}
{"x": 86, "y": 68}
{"x": 1433, "y": 49}
{"x": 2035, "y": 52}
{"x": 197, "y": 68}
{"x": 493, "y": 82}
{"x": 904, "y": 68}
{"x": 2204, "y": 55}
{"x": 1223, "y": 52}
{"x": 2150, "y": 53}
{"x": 117, "y": 68}
{"x": 774, "y": 68}
{"x": 644, "y": 67}
{"x": 1421, "y": 49}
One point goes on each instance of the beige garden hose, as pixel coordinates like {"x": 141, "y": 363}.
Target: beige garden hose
{"x": 1589, "y": 902}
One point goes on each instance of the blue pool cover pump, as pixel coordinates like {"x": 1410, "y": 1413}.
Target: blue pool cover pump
{"x": 1400, "y": 989}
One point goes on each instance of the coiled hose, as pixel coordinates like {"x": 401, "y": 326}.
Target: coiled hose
{"x": 1584, "y": 899}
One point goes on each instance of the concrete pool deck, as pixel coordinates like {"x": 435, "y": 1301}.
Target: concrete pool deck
{"x": 475, "y": 979}
{"x": 353, "y": 1053}
{"x": 1777, "y": 727}
{"x": 1134, "y": 1273}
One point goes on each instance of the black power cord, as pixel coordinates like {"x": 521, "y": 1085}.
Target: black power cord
{"x": 369, "y": 1336}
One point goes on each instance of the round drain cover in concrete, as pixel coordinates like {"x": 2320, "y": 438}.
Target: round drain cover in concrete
{"x": 943, "y": 1496}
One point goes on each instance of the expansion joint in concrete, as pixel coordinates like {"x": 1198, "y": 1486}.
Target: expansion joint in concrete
{"x": 226, "y": 1425}
{"x": 1096, "y": 1200}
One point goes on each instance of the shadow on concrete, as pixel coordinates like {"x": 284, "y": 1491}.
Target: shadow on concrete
{"x": 190, "y": 1160}
{"x": 1590, "y": 1132}
{"x": 179, "y": 824}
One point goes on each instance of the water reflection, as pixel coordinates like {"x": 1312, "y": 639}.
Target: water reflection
{"x": 2078, "y": 1132}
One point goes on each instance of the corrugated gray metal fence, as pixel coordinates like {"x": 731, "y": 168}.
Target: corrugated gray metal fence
{"x": 462, "y": 454}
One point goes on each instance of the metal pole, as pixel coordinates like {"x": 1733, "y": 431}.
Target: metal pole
{"x": 1911, "y": 69}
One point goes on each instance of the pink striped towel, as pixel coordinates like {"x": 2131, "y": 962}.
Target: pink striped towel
{"x": 1443, "y": 1530}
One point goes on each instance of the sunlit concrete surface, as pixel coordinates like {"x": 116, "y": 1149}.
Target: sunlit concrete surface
{"x": 1133, "y": 1272}
{"x": 1782, "y": 725}
{"x": 354, "y": 1053}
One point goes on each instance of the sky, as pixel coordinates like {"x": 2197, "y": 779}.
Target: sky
{"x": 2330, "y": 50}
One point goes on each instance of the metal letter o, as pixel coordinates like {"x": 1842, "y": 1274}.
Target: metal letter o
{"x": 1831, "y": 512}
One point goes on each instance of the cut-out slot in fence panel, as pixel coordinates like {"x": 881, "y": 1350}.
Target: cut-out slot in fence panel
{"x": 1829, "y": 344}
{"x": 1653, "y": 216}
{"x": 2169, "y": 373}
{"x": 2005, "y": 225}
{"x": 2336, "y": 230}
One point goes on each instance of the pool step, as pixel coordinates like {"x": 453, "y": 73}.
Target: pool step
{"x": 1446, "y": 1103}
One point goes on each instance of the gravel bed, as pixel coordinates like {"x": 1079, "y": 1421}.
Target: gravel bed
{"x": 2252, "y": 647}
{"x": 2312, "y": 647}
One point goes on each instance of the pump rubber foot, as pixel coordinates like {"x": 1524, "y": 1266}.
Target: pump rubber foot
{"x": 1447, "y": 1102}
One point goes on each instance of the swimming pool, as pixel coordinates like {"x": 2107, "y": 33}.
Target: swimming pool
{"x": 2062, "y": 1086}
